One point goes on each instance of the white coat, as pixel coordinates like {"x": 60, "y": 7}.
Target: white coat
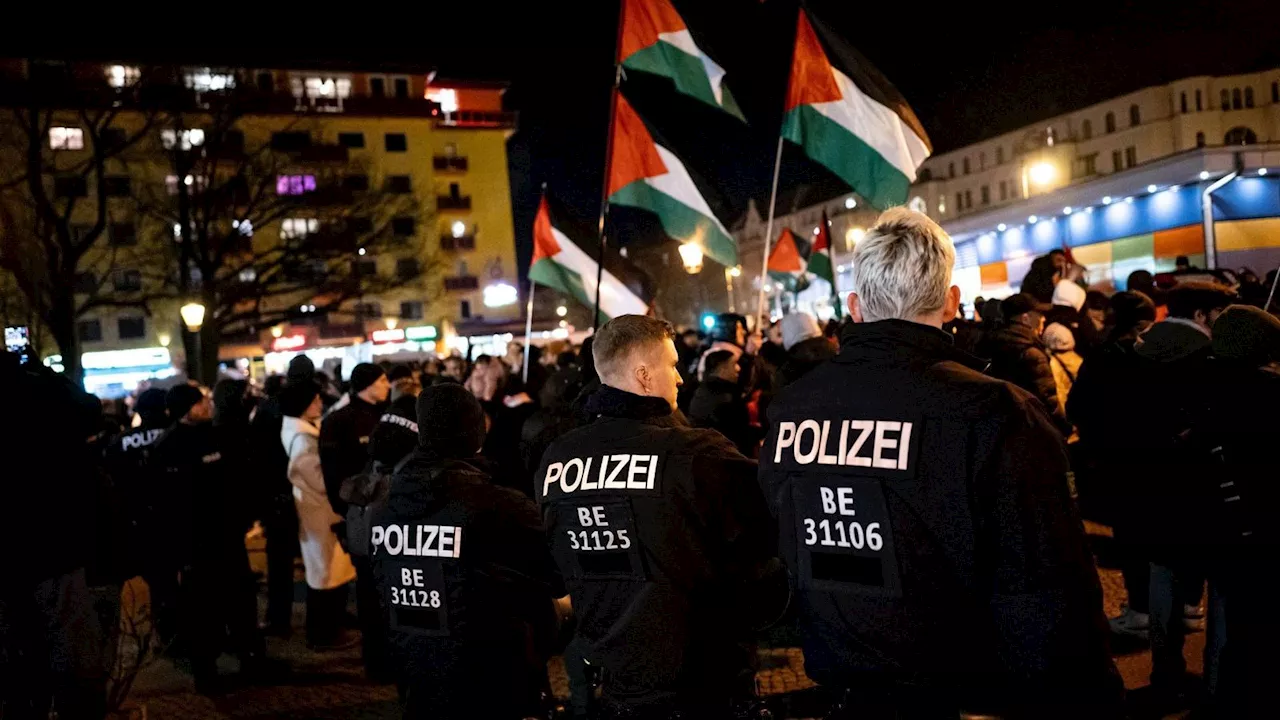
{"x": 328, "y": 566}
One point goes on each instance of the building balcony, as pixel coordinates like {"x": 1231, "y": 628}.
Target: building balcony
{"x": 451, "y": 243}
{"x": 462, "y": 283}
{"x": 453, "y": 202}
{"x": 472, "y": 119}
{"x": 444, "y": 163}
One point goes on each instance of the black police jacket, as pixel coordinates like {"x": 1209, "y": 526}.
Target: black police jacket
{"x": 663, "y": 538}
{"x": 196, "y": 495}
{"x": 344, "y": 446}
{"x": 929, "y": 530}
{"x": 125, "y": 460}
{"x": 465, "y": 578}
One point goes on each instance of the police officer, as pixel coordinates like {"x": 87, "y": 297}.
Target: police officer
{"x": 663, "y": 537}
{"x": 344, "y": 451}
{"x": 217, "y": 596}
{"x": 463, "y": 571}
{"x": 936, "y": 555}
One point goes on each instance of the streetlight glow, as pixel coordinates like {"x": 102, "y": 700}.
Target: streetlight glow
{"x": 850, "y": 203}
{"x": 192, "y": 315}
{"x": 1106, "y": 199}
{"x": 1042, "y": 173}
{"x": 691, "y": 256}
{"x": 1002, "y": 227}
{"x": 1152, "y": 188}
{"x": 562, "y": 311}
{"x": 1204, "y": 174}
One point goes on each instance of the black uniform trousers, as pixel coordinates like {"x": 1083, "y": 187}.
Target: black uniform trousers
{"x": 280, "y": 528}
{"x": 219, "y": 600}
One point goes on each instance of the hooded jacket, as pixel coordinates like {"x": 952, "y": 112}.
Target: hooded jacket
{"x": 926, "y": 519}
{"x": 1018, "y": 356}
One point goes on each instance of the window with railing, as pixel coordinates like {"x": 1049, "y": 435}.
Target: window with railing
{"x": 126, "y": 280}
{"x": 66, "y": 138}
{"x": 461, "y": 283}
{"x": 445, "y": 163}
{"x": 457, "y": 242}
{"x": 122, "y": 76}
{"x": 399, "y": 184}
{"x": 298, "y": 228}
{"x": 407, "y": 268}
{"x": 295, "y": 184}
{"x": 192, "y": 137}
{"x": 353, "y": 140}
{"x": 89, "y": 330}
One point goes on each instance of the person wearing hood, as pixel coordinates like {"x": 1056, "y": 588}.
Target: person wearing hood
{"x": 275, "y": 506}
{"x": 199, "y": 478}
{"x": 328, "y": 567}
{"x": 1240, "y": 659}
{"x": 1019, "y": 356}
{"x": 463, "y": 571}
{"x": 718, "y": 402}
{"x": 1064, "y": 360}
{"x": 1173, "y": 387}
{"x": 806, "y": 348}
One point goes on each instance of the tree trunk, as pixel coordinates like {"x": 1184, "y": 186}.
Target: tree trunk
{"x": 62, "y": 325}
{"x": 210, "y": 336}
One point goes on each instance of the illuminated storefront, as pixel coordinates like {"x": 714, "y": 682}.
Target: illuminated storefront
{"x": 116, "y": 373}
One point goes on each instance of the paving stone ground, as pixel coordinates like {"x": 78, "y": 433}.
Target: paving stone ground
{"x": 331, "y": 685}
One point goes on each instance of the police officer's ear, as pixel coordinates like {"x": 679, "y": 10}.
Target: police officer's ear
{"x": 855, "y": 308}
{"x": 952, "y": 305}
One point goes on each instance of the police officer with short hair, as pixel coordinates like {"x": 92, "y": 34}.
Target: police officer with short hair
{"x": 464, "y": 575}
{"x": 925, "y": 513}
{"x": 663, "y": 537}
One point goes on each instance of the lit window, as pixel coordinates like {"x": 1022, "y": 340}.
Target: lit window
{"x": 248, "y": 275}
{"x": 194, "y": 183}
{"x": 205, "y": 80}
{"x": 327, "y": 88}
{"x": 297, "y": 228}
{"x": 295, "y": 184}
{"x": 66, "y": 138}
{"x": 119, "y": 76}
{"x": 446, "y": 98}
{"x": 190, "y": 138}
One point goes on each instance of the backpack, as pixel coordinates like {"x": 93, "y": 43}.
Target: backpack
{"x": 364, "y": 493}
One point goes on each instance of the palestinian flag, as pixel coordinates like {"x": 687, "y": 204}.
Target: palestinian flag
{"x": 655, "y": 40}
{"x": 786, "y": 264}
{"x": 560, "y": 263}
{"x": 820, "y": 260}
{"x": 646, "y": 175}
{"x": 850, "y": 119}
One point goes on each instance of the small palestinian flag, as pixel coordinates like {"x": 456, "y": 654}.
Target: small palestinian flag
{"x": 655, "y": 40}
{"x": 786, "y": 264}
{"x": 820, "y": 263}
{"x": 850, "y": 119}
{"x": 646, "y": 175}
{"x": 560, "y": 263}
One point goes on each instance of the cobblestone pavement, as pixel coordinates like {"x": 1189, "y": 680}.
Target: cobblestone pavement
{"x": 331, "y": 685}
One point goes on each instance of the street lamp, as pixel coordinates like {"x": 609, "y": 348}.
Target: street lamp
{"x": 1042, "y": 173}
{"x": 562, "y": 311}
{"x": 853, "y": 236}
{"x": 193, "y": 317}
{"x": 691, "y": 256}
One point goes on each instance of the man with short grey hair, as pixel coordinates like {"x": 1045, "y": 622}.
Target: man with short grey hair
{"x": 936, "y": 556}
{"x": 663, "y": 537}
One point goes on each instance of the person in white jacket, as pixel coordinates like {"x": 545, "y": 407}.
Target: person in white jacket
{"x": 328, "y": 566}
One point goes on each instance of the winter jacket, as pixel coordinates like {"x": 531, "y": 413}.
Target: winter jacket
{"x": 1106, "y": 415}
{"x": 926, "y": 519}
{"x": 344, "y": 445}
{"x": 667, "y": 548}
{"x": 273, "y": 494}
{"x": 327, "y": 565}
{"x": 719, "y": 405}
{"x": 465, "y": 577}
{"x": 1018, "y": 356}
{"x": 800, "y": 359}
{"x": 197, "y": 496}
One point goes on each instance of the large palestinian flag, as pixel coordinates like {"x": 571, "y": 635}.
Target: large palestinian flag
{"x": 560, "y": 263}
{"x": 850, "y": 119}
{"x": 646, "y": 175}
{"x": 655, "y": 40}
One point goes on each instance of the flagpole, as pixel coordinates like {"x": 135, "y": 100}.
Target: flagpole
{"x": 608, "y": 163}
{"x": 528, "y": 331}
{"x": 768, "y": 237}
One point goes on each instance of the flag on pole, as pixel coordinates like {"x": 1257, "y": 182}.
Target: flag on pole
{"x": 786, "y": 264}
{"x": 655, "y": 40}
{"x": 560, "y": 263}
{"x": 850, "y": 119}
{"x": 820, "y": 263}
{"x": 646, "y": 175}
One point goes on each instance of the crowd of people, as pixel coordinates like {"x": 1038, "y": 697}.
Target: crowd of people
{"x": 614, "y": 512}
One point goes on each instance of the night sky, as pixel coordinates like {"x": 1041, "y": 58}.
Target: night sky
{"x": 969, "y": 70}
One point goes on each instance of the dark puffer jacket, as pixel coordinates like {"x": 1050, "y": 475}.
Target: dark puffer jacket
{"x": 801, "y": 358}
{"x": 1018, "y": 356}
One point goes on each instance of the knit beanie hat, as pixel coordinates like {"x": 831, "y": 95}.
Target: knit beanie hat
{"x": 301, "y": 369}
{"x": 364, "y": 375}
{"x": 180, "y": 399}
{"x": 297, "y": 396}
{"x": 1247, "y": 334}
{"x": 1058, "y": 337}
{"x": 798, "y": 327}
{"x": 450, "y": 421}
